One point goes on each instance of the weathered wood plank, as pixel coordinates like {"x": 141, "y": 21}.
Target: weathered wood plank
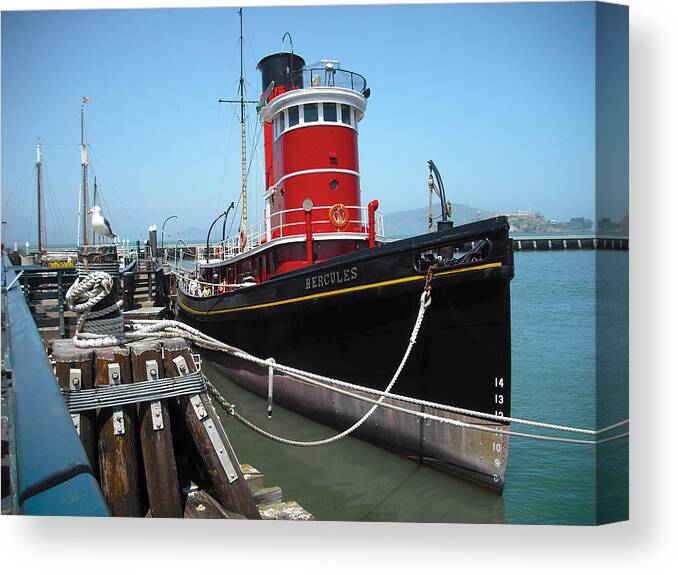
{"x": 267, "y": 495}
{"x": 128, "y": 289}
{"x": 67, "y": 358}
{"x": 232, "y": 492}
{"x": 118, "y": 441}
{"x": 200, "y": 505}
{"x": 160, "y": 466}
{"x": 253, "y": 477}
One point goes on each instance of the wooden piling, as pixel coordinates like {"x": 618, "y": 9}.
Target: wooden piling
{"x": 210, "y": 438}
{"x": 160, "y": 467}
{"x": 118, "y": 439}
{"x": 74, "y": 371}
{"x": 128, "y": 289}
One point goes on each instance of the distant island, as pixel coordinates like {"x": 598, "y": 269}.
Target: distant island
{"x": 413, "y": 222}
{"x": 535, "y": 223}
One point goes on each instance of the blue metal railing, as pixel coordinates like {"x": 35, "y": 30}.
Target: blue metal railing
{"x": 53, "y": 473}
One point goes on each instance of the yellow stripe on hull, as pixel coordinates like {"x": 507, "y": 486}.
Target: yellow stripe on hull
{"x": 341, "y": 291}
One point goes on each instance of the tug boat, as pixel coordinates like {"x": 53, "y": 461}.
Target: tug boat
{"x": 316, "y": 286}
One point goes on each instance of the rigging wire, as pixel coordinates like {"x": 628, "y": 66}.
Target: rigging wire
{"x": 70, "y": 118}
{"x": 115, "y": 193}
{"x": 19, "y": 200}
{"x": 256, "y": 139}
{"x": 12, "y": 196}
{"x": 236, "y": 46}
{"x": 52, "y": 201}
{"x": 222, "y": 180}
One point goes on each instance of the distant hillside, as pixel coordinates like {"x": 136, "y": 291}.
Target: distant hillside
{"x": 413, "y": 222}
{"x": 198, "y": 234}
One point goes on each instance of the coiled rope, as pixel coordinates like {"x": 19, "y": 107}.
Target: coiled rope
{"x": 91, "y": 291}
{"x": 93, "y": 328}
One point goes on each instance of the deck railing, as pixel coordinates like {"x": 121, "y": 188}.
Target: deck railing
{"x": 327, "y": 76}
{"x": 278, "y": 225}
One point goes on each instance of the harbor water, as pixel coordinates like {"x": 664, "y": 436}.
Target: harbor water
{"x": 558, "y": 347}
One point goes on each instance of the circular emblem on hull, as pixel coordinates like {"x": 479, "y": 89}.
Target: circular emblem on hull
{"x": 339, "y": 216}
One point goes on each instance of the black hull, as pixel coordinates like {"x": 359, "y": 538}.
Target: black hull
{"x": 354, "y": 324}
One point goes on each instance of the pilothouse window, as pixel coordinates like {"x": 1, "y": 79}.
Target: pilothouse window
{"x": 293, "y": 115}
{"x": 330, "y": 112}
{"x": 310, "y": 113}
{"x": 346, "y": 114}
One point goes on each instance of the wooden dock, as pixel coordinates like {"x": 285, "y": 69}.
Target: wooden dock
{"x": 130, "y": 430}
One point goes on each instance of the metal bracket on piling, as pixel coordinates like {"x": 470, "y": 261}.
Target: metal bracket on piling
{"x": 156, "y": 406}
{"x": 220, "y": 449}
{"x": 182, "y": 366}
{"x": 118, "y": 416}
{"x": 196, "y": 402}
{"x": 203, "y": 416}
{"x": 198, "y": 407}
{"x": 74, "y": 384}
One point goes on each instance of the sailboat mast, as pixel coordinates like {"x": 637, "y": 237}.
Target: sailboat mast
{"x": 42, "y": 233}
{"x": 243, "y": 224}
{"x": 84, "y": 163}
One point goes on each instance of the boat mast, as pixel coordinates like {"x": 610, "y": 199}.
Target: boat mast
{"x": 84, "y": 163}
{"x": 243, "y": 223}
{"x": 42, "y": 232}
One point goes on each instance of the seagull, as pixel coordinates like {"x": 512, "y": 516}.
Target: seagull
{"x": 100, "y": 224}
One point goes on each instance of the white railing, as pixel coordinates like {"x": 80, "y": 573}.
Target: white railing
{"x": 189, "y": 283}
{"x": 274, "y": 228}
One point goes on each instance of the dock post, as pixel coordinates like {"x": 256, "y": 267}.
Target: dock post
{"x": 128, "y": 286}
{"x": 74, "y": 371}
{"x": 211, "y": 440}
{"x": 118, "y": 443}
{"x": 160, "y": 466}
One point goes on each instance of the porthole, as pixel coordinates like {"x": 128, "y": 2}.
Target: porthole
{"x": 334, "y": 184}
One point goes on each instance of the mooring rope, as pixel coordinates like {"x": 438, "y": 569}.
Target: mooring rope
{"x": 100, "y": 335}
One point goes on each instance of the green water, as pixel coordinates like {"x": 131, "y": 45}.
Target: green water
{"x": 555, "y": 332}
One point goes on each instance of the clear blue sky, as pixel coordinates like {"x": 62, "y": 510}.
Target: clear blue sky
{"x": 500, "y": 96}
